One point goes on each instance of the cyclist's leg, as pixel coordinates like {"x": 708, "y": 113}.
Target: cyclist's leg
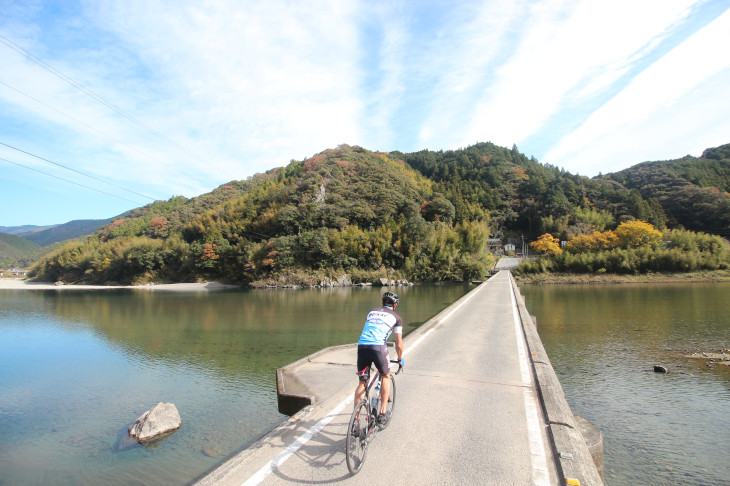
{"x": 384, "y": 392}
{"x": 359, "y": 392}
{"x": 383, "y": 366}
{"x": 390, "y": 405}
{"x": 364, "y": 360}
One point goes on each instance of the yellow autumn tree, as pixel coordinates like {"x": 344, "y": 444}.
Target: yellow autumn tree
{"x": 635, "y": 234}
{"x": 599, "y": 240}
{"x": 606, "y": 240}
{"x": 582, "y": 243}
{"x": 547, "y": 244}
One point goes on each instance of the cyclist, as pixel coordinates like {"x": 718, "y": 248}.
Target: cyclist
{"x": 372, "y": 348}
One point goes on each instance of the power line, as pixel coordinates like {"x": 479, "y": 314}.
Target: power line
{"x": 81, "y": 122}
{"x": 78, "y": 172}
{"x": 72, "y": 182}
{"x": 93, "y": 95}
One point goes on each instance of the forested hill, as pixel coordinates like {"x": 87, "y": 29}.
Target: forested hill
{"x": 424, "y": 216}
{"x": 694, "y": 192}
{"x": 345, "y": 209}
{"x": 14, "y": 248}
{"x": 526, "y": 197}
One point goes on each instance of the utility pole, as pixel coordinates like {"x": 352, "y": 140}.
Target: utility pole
{"x": 523, "y": 245}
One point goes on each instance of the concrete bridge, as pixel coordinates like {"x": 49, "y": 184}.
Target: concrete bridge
{"x": 478, "y": 403}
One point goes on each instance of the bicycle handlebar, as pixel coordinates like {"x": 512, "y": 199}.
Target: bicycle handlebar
{"x": 400, "y": 366}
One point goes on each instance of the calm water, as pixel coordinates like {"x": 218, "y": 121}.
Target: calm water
{"x": 659, "y": 429}
{"x": 77, "y": 367}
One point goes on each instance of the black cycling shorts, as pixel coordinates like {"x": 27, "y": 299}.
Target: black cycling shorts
{"x": 373, "y": 354}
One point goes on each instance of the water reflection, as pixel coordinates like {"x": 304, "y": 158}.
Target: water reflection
{"x": 603, "y": 341}
{"x": 77, "y": 367}
{"x": 271, "y": 328}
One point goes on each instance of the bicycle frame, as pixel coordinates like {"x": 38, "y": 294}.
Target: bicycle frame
{"x": 359, "y": 436}
{"x": 376, "y": 378}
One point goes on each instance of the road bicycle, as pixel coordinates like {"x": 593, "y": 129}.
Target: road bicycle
{"x": 364, "y": 424}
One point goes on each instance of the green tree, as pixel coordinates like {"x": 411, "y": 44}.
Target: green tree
{"x": 438, "y": 208}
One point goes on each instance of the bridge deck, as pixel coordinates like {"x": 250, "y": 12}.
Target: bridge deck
{"x": 468, "y": 410}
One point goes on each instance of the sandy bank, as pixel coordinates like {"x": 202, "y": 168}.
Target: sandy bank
{"x": 19, "y": 284}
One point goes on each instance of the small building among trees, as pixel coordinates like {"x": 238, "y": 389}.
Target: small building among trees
{"x": 495, "y": 246}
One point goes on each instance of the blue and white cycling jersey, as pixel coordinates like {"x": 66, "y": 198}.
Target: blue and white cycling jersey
{"x": 378, "y": 326}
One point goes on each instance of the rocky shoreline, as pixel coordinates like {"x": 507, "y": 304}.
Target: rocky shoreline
{"x": 298, "y": 281}
{"x": 342, "y": 281}
{"x": 325, "y": 283}
{"x": 721, "y": 357}
{"x": 20, "y": 284}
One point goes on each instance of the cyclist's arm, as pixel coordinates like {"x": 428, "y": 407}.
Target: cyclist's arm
{"x": 399, "y": 345}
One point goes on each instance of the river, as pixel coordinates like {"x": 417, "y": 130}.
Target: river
{"x": 603, "y": 341}
{"x": 78, "y": 366}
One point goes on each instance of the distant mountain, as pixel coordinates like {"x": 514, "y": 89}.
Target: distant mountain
{"x": 29, "y": 243}
{"x": 23, "y": 230}
{"x": 66, "y": 231}
{"x": 14, "y": 248}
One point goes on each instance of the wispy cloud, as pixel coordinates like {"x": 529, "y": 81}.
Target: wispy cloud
{"x": 236, "y": 85}
{"x": 566, "y": 49}
{"x": 462, "y": 56}
{"x": 233, "y": 88}
{"x": 248, "y": 79}
{"x": 653, "y": 109}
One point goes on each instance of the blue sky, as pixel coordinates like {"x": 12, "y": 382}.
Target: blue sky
{"x": 106, "y": 106}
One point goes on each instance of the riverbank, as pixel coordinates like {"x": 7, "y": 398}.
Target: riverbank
{"x": 21, "y": 284}
{"x": 537, "y": 278}
{"x": 604, "y": 278}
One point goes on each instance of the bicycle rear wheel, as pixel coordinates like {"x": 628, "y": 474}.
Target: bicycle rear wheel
{"x": 356, "y": 444}
{"x": 391, "y": 403}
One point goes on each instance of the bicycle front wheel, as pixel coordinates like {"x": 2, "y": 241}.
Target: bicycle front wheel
{"x": 390, "y": 407}
{"x": 356, "y": 444}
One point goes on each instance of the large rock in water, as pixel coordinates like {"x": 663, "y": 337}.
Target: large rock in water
{"x": 161, "y": 420}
